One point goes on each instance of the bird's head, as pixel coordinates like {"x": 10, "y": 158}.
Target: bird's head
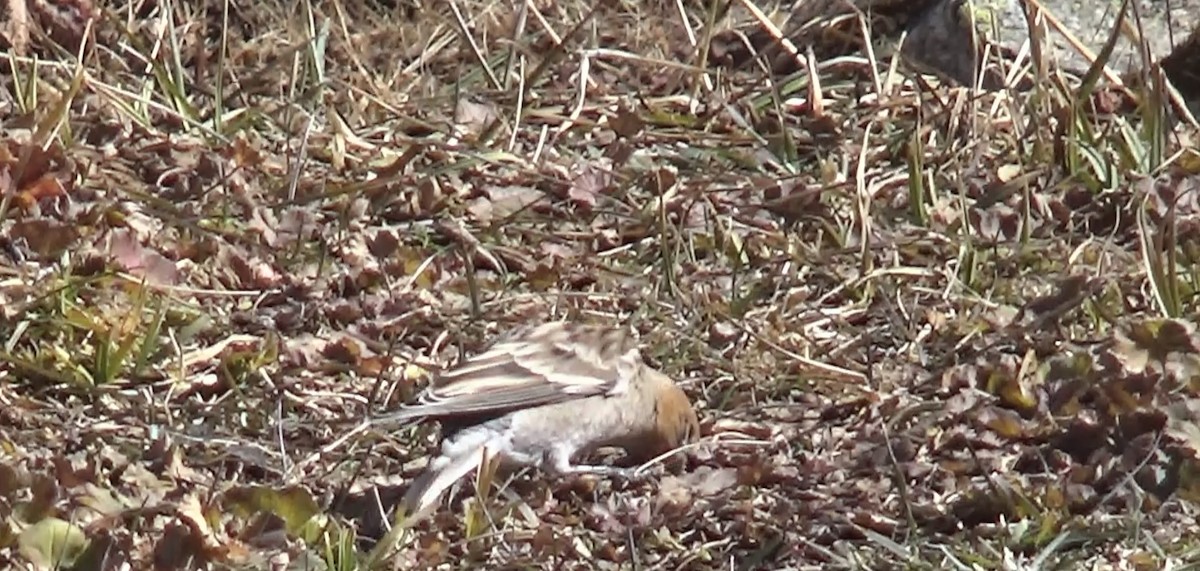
{"x": 677, "y": 420}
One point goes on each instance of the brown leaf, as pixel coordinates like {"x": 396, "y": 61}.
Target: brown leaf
{"x": 473, "y": 118}
{"x": 47, "y": 238}
{"x": 626, "y": 123}
{"x": 45, "y": 187}
{"x": 345, "y": 349}
{"x": 176, "y": 546}
{"x": 383, "y": 243}
{"x": 190, "y": 513}
{"x": 243, "y": 155}
{"x": 131, "y": 256}
{"x": 1006, "y": 423}
{"x": 1068, "y": 294}
{"x": 503, "y": 202}
{"x": 587, "y": 185}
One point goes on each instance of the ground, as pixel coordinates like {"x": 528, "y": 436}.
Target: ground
{"x": 926, "y": 326}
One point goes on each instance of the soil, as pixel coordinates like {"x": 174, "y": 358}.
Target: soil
{"x": 1165, "y": 24}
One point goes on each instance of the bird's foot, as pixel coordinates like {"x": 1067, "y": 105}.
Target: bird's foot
{"x": 609, "y": 471}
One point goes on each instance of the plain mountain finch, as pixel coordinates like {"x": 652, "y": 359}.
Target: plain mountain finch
{"x": 544, "y": 396}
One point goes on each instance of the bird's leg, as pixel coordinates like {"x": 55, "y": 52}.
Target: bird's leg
{"x": 560, "y": 463}
{"x": 610, "y": 471}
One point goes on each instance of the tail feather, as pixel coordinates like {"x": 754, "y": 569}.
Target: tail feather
{"x": 400, "y": 418}
{"x": 427, "y": 489}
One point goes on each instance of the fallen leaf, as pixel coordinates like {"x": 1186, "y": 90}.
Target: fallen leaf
{"x": 52, "y": 543}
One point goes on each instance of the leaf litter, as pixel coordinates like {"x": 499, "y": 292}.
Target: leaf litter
{"x": 926, "y": 325}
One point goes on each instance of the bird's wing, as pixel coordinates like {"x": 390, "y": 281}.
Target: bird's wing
{"x": 535, "y": 366}
{"x": 427, "y": 489}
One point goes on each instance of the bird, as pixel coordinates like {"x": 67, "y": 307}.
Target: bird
{"x": 546, "y": 395}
